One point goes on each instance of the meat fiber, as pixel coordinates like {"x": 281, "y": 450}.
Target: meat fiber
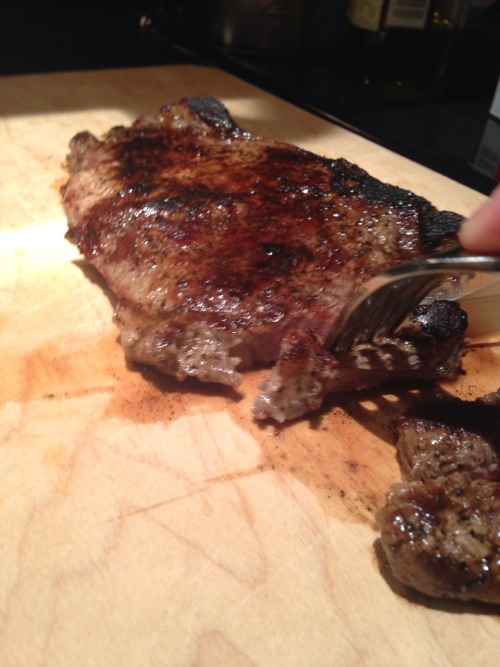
{"x": 222, "y": 247}
{"x": 440, "y": 528}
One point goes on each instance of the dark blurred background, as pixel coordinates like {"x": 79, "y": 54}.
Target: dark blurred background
{"x": 449, "y": 128}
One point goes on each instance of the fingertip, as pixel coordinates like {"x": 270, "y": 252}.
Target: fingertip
{"x": 481, "y": 232}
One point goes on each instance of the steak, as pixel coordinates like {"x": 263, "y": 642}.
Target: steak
{"x": 223, "y": 247}
{"x": 440, "y": 528}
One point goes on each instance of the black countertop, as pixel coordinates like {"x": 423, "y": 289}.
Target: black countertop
{"x": 449, "y": 133}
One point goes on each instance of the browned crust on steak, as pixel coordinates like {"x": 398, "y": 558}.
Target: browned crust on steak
{"x": 218, "y": 244}
{"x": 440, "y": 528}
{"x": 442, "y": 536}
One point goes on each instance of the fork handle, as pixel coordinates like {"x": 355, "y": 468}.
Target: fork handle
{"x": 454, "y": 259}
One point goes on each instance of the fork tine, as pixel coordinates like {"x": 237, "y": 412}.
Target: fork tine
{"x": 379, "y": 312}
{"x": 408, "y": 293}
{"x": 384, "y": 301}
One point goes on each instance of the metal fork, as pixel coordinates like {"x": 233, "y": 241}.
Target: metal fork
{"x": 383, "y": 302}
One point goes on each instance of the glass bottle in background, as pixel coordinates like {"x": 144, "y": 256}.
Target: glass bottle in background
{"x": 402, "y": 49}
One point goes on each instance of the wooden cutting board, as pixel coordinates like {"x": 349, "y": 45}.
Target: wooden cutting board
{"x": 146, "y": 522}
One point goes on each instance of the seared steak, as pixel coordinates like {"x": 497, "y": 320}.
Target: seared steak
{"x": 220, "y": 244}
{"x": 440, "y": 528}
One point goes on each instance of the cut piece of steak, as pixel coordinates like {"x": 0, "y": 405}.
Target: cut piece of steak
{"x": 440, "y": 528}
{"x": 219, "y": 244}
{"x": 427, "y": 345}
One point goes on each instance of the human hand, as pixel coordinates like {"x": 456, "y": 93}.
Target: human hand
{"x": 481, "y": 231}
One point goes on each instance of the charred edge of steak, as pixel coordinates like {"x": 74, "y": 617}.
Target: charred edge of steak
{"x": 212, "y": 111}
{"x": 427, "y": 345}
{"x": 438, "y": 229}
{"x": 441, "y": 320}
{"x": 445, "y": 224}
{"x": 440, "y": 528}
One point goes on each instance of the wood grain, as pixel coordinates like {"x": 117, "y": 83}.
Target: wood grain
{"x": 146, "y": 522}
